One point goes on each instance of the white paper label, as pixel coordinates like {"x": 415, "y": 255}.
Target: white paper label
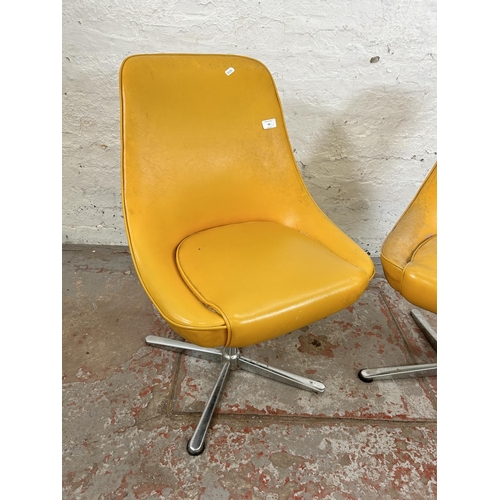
{"x": 271, "y": 123}
{"x": 229, "y": 71}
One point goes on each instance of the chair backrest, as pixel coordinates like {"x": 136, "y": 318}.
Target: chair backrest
{"x": 195, "y": 150}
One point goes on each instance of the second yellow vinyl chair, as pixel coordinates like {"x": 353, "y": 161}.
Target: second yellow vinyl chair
{"x": 409, "y": 260}
{"x": 226, "y": 240}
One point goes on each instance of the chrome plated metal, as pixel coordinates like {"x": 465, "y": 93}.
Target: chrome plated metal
{"x": 193, "y": 349}
{"x": 230, "y": 359}
{"x": 281, "y": 375}
{"x": 394, "y": 372}
{"x": 196, "y": 444}
{"x": 427, "y": 329}
{"x": 231, "y": 355}
{"x": 406, "y": 371}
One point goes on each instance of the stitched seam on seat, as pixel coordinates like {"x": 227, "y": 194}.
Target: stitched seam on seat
{"x": 169, "y": 320}
{"x": 413, "y": 255}
{"x": 403, "y": 269}
{"x": 382, "y": 255}
{"x": 175, "y": 323}
{"x": 203, "y": 299}
{"x": 403, "y": 282}
{"x": 200, "y": 296}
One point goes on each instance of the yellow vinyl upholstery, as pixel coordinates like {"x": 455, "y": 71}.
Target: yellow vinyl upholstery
{"x": 226, "y": 240}
{"x": 409, "y": 253}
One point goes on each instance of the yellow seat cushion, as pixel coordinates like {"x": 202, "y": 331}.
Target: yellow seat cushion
{"x": 266, "y": 279}
{"x": 419, "y": 284}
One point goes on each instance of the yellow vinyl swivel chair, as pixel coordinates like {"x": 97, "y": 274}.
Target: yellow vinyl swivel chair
{"x": 226, "y": 240}
{"x": 409, "y": 260}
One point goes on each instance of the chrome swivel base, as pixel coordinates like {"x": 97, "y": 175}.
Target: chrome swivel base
{"x": 230, "y": 359}
{"x": 393, "y": 372}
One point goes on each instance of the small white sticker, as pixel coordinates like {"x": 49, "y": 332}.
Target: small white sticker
{"x": 229, "y": 71}
{"x": 269, "y": 123}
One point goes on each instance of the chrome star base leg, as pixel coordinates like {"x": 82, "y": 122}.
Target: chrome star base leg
{"x": 406, "y": 371}
{"x": 196, "y": 444}
{"x": 392, "y": 372}
{"x": 229, "y": 359}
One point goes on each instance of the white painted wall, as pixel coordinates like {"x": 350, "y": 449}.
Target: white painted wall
{"x": 363, "y": 133}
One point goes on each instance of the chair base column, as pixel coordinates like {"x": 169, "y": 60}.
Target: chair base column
{"x": 230, "y": 359}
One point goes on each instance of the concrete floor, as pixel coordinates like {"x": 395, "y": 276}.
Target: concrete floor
{"x": 129, "y": 409}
